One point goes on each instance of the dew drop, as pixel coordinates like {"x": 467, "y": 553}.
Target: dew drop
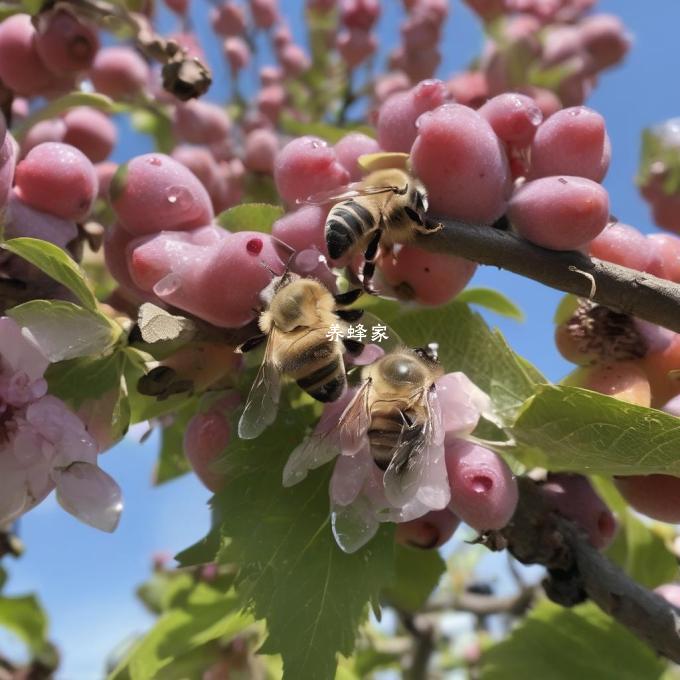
{"x": 178, "y": 196}
{"x": 168, "y": 285}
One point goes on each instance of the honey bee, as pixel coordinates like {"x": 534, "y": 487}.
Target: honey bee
{"x": 396, "y": 416}
{"x": 387, "y": 207}
{"x": 295, "y": 324}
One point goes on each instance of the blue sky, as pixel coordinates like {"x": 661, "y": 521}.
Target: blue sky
{"x": 86, "y": 579}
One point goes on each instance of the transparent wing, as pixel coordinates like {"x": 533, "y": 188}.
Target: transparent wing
{"x": 380, "y": 334}
{"x": 416, "y": 469}
{"x": 346, "y": 192}
{"x": 263, "y": 401}
{"x": 312, "y": 453}
{"x": 355, "y": 421}
{"x": 354, "y": 525}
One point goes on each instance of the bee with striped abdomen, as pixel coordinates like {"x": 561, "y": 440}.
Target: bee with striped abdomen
{"x": 297, "y": 326}
{"x": 395, "y": 416}
{"x": 388, "y": 206}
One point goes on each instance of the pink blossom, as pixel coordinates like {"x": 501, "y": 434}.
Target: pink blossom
{"x": 43, "y": 445}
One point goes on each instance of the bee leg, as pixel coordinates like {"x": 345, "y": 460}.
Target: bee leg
{"x": 251, "y": 344}
{"x": 354, "y": 347}
{"x": 349, "y": 314}
{"x": 369, "y": 260}
{"x": 430, "y": 225}
{"x": 344, "y": 299}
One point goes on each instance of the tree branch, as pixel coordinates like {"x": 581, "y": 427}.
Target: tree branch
{"x": 577, "y": 571}
{"x": 627, "y": 290}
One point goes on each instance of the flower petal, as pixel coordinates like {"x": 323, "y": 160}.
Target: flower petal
{"x": 354, "y": 525}
{"x": 90, "y": 494}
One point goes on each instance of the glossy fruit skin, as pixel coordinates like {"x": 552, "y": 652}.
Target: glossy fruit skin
{"x": 624, "y": 380}
{"x": 657, "y": 496}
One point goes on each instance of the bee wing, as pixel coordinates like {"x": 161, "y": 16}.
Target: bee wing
{"x": 379, "y": 334}
{"x": 355, "y": 421}
{"x": 347, "y": 436}
{"x": 346, "y": 192}
{"x": 263, "y": 400}
{"x": 354, "y": 525}
{"x": 312, "y": 453}
{"x": 417, "y": 471}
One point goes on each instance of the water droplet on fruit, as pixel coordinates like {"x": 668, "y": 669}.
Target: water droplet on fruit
{"x": 178, "y": 196}
{"x": 154, "y": 160}
{"x": 168, "y": 285}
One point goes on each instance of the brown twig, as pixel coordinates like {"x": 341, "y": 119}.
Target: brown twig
{"x": 626, "y": 290}
{"x": 577, "y": 571}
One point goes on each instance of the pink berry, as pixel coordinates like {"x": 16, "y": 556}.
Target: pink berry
{"x": 470, "y": 88}
{"x": 21, "y": 68}
{"x": 657, "y": 496}
{"x": 429, "y": 531}
{"x": 360, "y": 14}
{"x": 483, "y": 489}
{"x": 560, "y": 213}
{"x": 237, "y": 53}
{"x": 350, "y": 148}
{"x": 105, "y": 172}
{"x": 356, "y": 46}
{"x": 574, "y": 497}
{"x": 90, "y": 131}
{"x": 119, "y": 72}
{"x": 307, "y": 166}
{"x": 205, "y": 440}
{"x": 57, "y": 179}
{"x": 573, "y": 141}
{"x": 665, "y": 256}
{"x": 605, "y": 38}
{"x": 201, "y": 162}
{"x": 260, "y": 150}
{"x": 200, "y": 122}
{"x": 624, "y": 245}
{"x": 303, "y": 228}
{"x": 398, "y": 115}
{"x": 8, "y": 157}
{"x": 153, "y": 192}
{"x": 50, "y": 130}
{"x": 228, "y": 19}
{"x": 513, "y": 117}
{"x": 265, "y": 12}
{"x": 294, "y": 60}
{"x": 428, "y": 278}
{"x": 460, "y": 160}
{"x": 65, "y": 43}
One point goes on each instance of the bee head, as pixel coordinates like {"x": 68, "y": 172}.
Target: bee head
{"x": 430, "y": 353}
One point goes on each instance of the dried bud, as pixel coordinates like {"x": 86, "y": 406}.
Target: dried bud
{"x": 186, "y": 78}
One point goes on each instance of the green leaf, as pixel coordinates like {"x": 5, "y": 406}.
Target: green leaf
{"x": 56, "y": 263}
{"x": 172, "y": 462}
{"x": 641, "y": 552}
{"x": 250, "y": 217}
{"x": 24, "y": 616}
{"x": 569, "y": 428}
{"x": 58, "y": 106}
{"x": 63, "y": 330}
{"x": 467, "y": 344}
{"x": 84, "y": 378}
{"x": 492, "y": 300}
{"x": 553, "y": 643}
{"x": 312, "y": 595}
{"x": 418, "y": 573}
{"x": 205, "y": 615}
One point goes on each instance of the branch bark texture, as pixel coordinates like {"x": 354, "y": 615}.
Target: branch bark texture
{"x": 577, "y": 571}
{"x": 620, "y": 288}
